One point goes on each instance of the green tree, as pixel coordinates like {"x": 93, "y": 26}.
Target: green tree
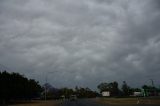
{"x": 85, "y": 92}
{"x": 16, "y": 86}
{"x": 114, "y": 88}
{"x": 67, "y": 92}
{"x": 103, "y": 87}
{"x": 111, "y": 87}
{"x": 125, "y": 89}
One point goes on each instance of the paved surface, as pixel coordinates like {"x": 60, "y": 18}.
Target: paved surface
{"x": 80, "y": 103}
{"x": 87, "y": 102}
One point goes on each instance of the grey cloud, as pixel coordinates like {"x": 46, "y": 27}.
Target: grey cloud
{"x": 85, "y": 42}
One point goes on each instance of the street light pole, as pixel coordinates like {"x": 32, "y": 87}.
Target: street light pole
{"x": 152, "y": 82}
{"x": 155, "y": 92}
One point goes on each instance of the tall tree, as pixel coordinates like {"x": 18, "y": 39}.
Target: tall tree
{"x": 103, "y": 87}
{"x": 111, "y": 87}
{"x": 16, "y": 86}
{"x": 85, "y": 92}
{"x": 114, "y": 89}
{"x": 125, "y": 89}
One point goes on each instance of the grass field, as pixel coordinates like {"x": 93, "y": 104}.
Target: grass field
{"x": 128, "y": 100}
{"x": 38, "y": 103}
{"x": 112, "y": 101}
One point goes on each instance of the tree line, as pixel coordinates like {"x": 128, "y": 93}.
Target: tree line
{"x": 14, "y": 86}
{"x": 126, "y": 90}
{"x": 55, "y": 93}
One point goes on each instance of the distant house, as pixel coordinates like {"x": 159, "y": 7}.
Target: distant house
{"x": 137, "y": 94}
{"x": 105, "y": 93}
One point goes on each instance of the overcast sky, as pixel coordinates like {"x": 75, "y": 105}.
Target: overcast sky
{"x": 81, "y": 42}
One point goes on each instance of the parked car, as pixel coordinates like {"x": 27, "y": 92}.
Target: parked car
{"x": 73, "y": 98}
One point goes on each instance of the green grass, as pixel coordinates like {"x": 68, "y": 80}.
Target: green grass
{"x": 117, "y": 101}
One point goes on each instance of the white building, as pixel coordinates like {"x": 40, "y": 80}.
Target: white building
{"x": 105, "y": 93}
{"x": 137, "y": 93}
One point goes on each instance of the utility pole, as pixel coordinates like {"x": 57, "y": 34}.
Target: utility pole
{"x": 45, "y": 88}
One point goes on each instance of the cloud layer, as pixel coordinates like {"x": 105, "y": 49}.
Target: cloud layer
{"x": 82, "y": 42}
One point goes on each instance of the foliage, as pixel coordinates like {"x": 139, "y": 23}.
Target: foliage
{"x": 126, "y": 89}
{"x": 103, "y": 87}
{"x": 111, "y": 87}
{"x": 66, "y": 92}
{"x": 16, "y": 86}
{"x": 148, "y": 87}
{"x": 85, "y": 92}
{"x": 51, "y": 92}
{"x": 150, "y": 90}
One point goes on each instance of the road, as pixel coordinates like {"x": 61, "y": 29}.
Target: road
{"x": 86, "y": 102}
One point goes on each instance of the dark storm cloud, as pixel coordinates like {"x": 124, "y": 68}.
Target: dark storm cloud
{"x": 81, "y": 42}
